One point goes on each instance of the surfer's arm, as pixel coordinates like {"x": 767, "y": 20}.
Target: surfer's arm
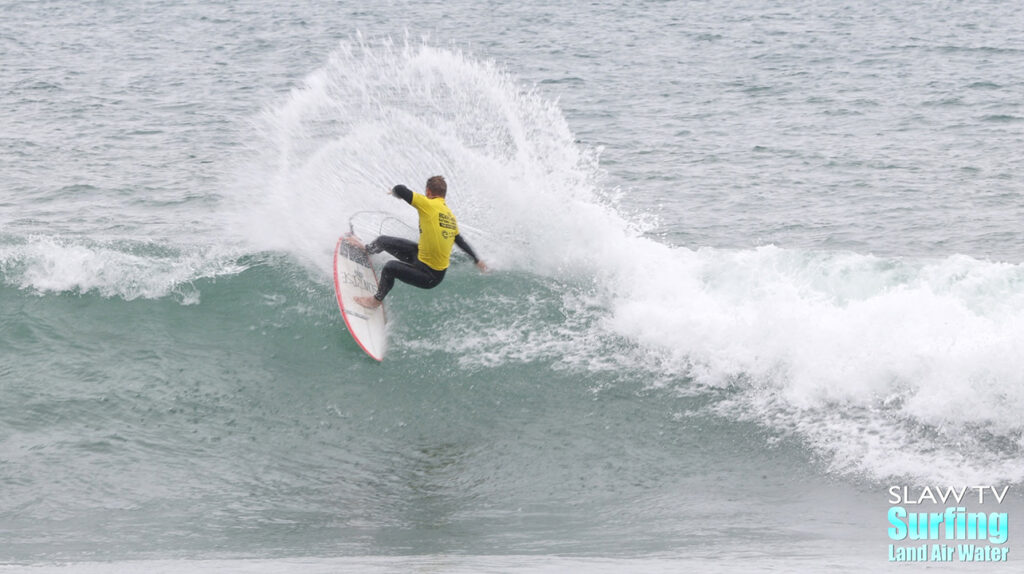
{"x": 464, "y": 245}
{"x": 403, "y": 193}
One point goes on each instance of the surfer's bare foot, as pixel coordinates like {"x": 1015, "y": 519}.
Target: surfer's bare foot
{"x": 368, "y": 302}
{"x": 354, "y": 241}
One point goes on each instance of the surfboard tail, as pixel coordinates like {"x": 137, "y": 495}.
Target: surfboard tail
{"x": 354, "y": 276}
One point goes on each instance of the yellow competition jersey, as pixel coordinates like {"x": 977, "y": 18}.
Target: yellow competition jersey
{"x": 437, "y": 231}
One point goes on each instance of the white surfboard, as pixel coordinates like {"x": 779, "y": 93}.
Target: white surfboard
{"x": 354, "y": 277}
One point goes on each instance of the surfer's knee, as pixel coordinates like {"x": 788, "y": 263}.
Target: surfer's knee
{"x": 391, "y": 267}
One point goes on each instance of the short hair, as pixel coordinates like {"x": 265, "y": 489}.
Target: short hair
{"x": 437, "y": 185}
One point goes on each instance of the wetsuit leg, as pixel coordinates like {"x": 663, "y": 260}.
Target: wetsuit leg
{"x": 401, "y": 249}
{"x": 416, "y": 274}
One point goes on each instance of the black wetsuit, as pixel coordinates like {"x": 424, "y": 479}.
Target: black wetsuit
{"x": 408, "y": 268}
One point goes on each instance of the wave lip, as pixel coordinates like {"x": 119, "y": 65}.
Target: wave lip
{"x": 860, "y": 356}
{"x": 878, "y": 364}
{"x": 887, "y": 367}
{"x": 127, "y": 270}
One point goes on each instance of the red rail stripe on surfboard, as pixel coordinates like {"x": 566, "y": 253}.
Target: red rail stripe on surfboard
{"x": 341, "y": 305}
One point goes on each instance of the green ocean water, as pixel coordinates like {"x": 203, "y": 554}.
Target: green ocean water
{"x": 751, "y": 266}
{"x": 171, "y": 445}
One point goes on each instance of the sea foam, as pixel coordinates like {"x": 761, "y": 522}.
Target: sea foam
{"x": 884, "y": 366}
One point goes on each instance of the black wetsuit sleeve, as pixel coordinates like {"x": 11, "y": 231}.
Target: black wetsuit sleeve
{"x": 402, "y": 192}
{"x": 463, "y": 245}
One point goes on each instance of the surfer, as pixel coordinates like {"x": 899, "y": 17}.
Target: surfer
{"x": 420, "y": 264}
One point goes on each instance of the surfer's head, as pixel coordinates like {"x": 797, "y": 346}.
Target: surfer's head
{"x": 436, "y": 186}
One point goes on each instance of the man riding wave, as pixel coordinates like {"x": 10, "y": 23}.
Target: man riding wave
{"x": 421, "y": 264}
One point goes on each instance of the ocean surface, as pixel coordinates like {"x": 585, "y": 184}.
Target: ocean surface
{"x": 752, "y": 263}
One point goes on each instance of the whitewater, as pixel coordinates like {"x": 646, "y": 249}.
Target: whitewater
{"x": 742, "y": 279}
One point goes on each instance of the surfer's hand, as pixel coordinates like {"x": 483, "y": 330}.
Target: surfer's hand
{"x": 482, "y": 266}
